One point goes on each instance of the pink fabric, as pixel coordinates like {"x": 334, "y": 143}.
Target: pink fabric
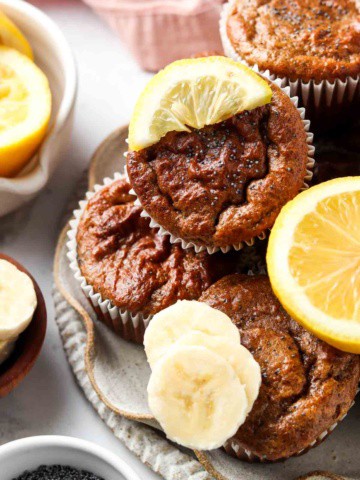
{"x": 158, "y": 32}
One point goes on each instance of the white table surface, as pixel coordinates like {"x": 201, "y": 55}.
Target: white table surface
{"x": 49, "y": 401}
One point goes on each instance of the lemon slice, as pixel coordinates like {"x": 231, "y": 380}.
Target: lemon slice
{"x": 313, "y": 261}
{"x": 11, "y": 36}
{"x": 194, "y": 93}
{"x": 25, "y": 107}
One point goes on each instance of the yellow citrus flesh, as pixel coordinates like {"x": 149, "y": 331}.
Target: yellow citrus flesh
{"x": 314, "y": 261}
{"x": 193, "y": 93}
{"x": 11, "y": 36}
{"x": 25, "y": 107}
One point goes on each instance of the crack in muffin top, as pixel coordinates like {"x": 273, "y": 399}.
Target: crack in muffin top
{"x": 307, "y": 39}
{"x": 307, "y": 385}
{"x": 226, "y": 183}
{"x": 128, "y": 263}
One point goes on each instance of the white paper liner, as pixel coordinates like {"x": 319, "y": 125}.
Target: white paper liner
{"x": 315, "y": 95}
{"x": 244, "y": 454}
{"x": 308, "y": 176}
{"x": 129, "y": 326}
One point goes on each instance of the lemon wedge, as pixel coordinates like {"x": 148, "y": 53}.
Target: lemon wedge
{"x": 11, "y": 36}
{"x": 193, "y": 93}
{"x": 313, "y": 261}
{"x": 25, "y": 107}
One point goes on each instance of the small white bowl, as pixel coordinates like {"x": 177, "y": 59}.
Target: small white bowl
{"x": 29, "y": 453}
{"x": 54, "y": 56}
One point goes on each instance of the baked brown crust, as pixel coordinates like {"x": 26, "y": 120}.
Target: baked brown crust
{"x": 307, "y": 385}
{"x": 306, "y": 39}
{"x": 128, "y": 263}
{"x": 226, "y": 183}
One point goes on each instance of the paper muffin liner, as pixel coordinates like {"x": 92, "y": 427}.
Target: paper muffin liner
{"x": 308, "y": 176}
{"x": 323, "y": 97}
{"x": 168, "y": 30}
{"x": 235, "y": 450}
{"x": 127, "y": 325}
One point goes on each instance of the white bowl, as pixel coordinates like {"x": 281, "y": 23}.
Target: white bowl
{"x": 53, "y": 55}
{"x": 29, "y": 453}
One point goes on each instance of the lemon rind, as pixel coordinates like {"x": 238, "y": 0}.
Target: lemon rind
{"x": 18, "y": 40}
{"x": 341, "y": 333}
{"x": 149, "y": 98}
{"x": 39, "y": 106}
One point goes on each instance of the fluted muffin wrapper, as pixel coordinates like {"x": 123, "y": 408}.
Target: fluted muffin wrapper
{"x": 320, "y": 97}
{"x": 127, "y": 325}
{"x": 168, "y": 30}
{"x": 210, "y": 249}
{"x": 234, "y": 449}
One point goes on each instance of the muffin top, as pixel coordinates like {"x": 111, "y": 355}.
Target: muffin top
{"x": 307, "y": 385}
{"x": 307, "y": 39}
{"x": 128, "y": 263}
{"x": 226, "y": 183}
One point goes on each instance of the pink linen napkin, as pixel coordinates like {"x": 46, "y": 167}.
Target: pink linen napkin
{"x": 158, "y": 32}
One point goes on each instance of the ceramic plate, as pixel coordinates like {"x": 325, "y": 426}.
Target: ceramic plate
{"x": 119, "y": 372}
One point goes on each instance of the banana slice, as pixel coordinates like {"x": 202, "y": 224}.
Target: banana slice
{"x": 6, "y": 349}
{"x": 245, "y": 366}
{"x": 17, "y": 301}
{"x": 183, "y": 317}
{"x": 196, "y": 397}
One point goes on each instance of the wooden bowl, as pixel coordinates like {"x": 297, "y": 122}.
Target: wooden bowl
{"x": 28, "y": 345}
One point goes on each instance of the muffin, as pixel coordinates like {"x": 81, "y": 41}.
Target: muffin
{"x": 224, "y": 184}
{"x": 307, "y": 385}
{"x": 158, "y": 32}
{"x": 312, "y": 45}
{"x": 128, "y": 271}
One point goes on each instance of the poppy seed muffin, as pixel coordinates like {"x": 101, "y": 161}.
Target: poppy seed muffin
{"x": 128, "y": 263}
{"x": 307, "y": 39}
{"x": 224, "y": 184}
{"x": 312, "y": 46}
{"x": 307, "y": 385}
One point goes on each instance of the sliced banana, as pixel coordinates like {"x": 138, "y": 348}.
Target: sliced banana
{"x": 196, "y": 397}
{"x": 6, "y": 349}
{"x": 245, "y": 366}
{"x": 183, "y": 317}
{"x": 17, "y": 301}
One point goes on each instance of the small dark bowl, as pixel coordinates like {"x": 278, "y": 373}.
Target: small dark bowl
{"x": 28, "y": 345}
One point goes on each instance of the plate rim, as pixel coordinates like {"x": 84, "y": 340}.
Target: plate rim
{"x": 90, "y": 349}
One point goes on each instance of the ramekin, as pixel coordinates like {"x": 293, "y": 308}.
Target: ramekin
{"x": 29, "y": 453}
{"x": 54, "y": 56}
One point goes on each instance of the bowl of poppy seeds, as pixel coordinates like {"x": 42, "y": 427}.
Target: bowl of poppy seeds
{"x": 57, "y": 472}
{"x": 60, "y": 458}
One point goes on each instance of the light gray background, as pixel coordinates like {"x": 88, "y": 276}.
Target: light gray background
{"x": 49, "y": 400}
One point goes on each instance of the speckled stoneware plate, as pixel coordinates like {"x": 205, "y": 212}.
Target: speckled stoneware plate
{"x": 119, "y": 372}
